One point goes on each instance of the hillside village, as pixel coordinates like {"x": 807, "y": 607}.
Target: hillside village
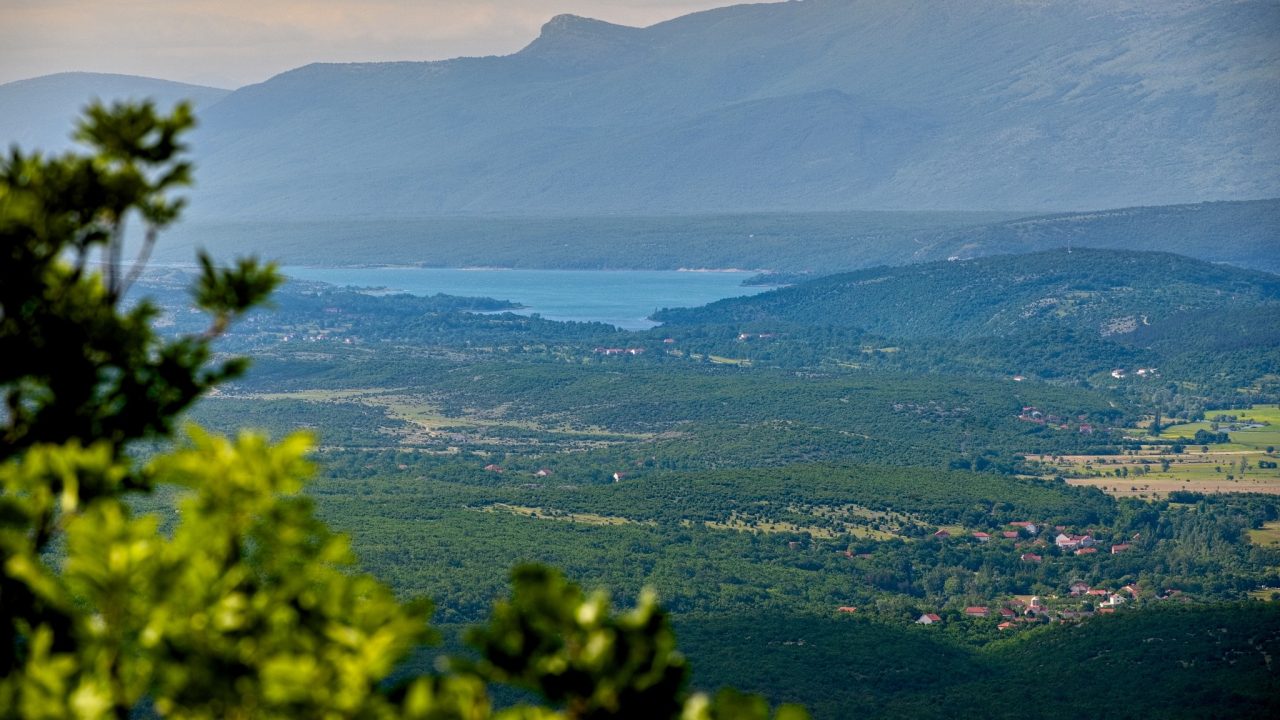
{"x": 1036, "y": 543}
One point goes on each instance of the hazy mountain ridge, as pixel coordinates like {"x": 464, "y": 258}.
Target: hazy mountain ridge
{"x": 1241, "y": 233}
{"x": 818, "y": 105}
{"x": 1107, "y": 292}
{"x": 41, "y": 112}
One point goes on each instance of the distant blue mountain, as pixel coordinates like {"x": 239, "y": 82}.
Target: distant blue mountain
{"x": 817, "y": 105}
{"x": 41, "y": 112}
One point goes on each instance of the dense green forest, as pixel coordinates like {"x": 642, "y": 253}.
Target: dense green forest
{"x": 1176, "y": 662}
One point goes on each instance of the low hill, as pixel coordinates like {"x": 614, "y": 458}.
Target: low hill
{"x": 40, "y": 112}
{"x": 1108, "y": 292}
{"x": 1239, "y": 233}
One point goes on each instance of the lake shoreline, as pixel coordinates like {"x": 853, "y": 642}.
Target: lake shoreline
{"x": 623, "y": 298}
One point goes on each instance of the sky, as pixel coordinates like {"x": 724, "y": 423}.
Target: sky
{"x": 231, "y": 43}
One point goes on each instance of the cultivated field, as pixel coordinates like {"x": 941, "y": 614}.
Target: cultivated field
{"x": 1242, "y": 431}
{"x": 1152, "y": 473}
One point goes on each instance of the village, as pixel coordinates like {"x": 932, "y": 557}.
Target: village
{"x": 1036, "y": 543}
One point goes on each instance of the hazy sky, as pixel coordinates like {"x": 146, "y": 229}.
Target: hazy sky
{"x": 229, "y": 43}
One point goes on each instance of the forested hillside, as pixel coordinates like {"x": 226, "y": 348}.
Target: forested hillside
{"x": 1109, "y": 293}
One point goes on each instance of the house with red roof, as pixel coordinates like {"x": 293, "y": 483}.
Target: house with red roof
{"x": 1031, "y": 557}
{"x": 981, "y": 536}
{"x": 977, "y": 611}
{"x": 929, "y": 619}
{"x": 1122, "y": 547}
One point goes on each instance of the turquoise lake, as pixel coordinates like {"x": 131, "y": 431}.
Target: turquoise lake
{"x": 624, "y": 298}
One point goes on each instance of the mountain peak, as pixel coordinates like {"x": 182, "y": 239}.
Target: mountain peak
{"x": 572, "y": 24}
{"x": 575, "y": 39}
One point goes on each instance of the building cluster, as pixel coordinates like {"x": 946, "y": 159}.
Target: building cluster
{"x": 1034, "y": 609}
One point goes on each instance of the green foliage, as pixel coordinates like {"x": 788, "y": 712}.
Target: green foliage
{"x": 76, "y": 364}
{"x": 246, "y": 611}
{"x": 238, "y": 602}
{"x": 550, "y": 637}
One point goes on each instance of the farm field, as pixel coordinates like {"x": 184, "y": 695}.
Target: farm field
{"x": 1246, "y": 437}
{"x": 1153, "y": 474}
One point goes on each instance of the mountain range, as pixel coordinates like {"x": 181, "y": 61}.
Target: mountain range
{"x": 818, "y": 105}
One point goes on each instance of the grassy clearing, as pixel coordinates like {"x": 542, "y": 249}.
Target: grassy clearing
{"x": 770, "y": 527}
{"x": 1267, "y": 536}
{"x": 311, "y": 395}
{"x": 552, "y": 514}
{"x": 430, "y": 424}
